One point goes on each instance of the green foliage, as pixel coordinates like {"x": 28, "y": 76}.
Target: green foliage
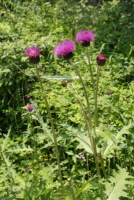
{"x": 25, "y": 144}
{"x": 116, "y": 186}
{"x": 111, "y": 144}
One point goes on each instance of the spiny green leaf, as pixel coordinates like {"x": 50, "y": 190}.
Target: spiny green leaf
{"x": 106, "y": 102}
{"x": 3, "y": 147}
{"x": 111, "y": 145}
{"x": 84, "y": 185}
{"x": 85, "y": 142}
{"x": 81, "y": 137}
{"x": 106, "y": 134}
{"x": 117, "y": 184}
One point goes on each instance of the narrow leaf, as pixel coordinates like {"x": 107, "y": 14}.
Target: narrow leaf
{"x": 60, "y": 77}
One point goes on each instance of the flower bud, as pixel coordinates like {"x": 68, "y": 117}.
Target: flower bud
{"x": 64, "y": 84}
{"x": 101, "y": 60}
{"x": 108, "y": 93}
{"x": 27, "y": 169}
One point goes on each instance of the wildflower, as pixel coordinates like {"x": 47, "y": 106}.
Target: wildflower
{"x": 108, "y": 93}
{"x": 30, "y": 108}
{"x": 81, "y": 156}
{"x": 27, "y": 169}
{"x": 28, "y": 97}
{"x": 33, "y": 54}
{"x": 101, "y": 60}
{"x": 65, "y": 49}
{"x": 64, "y": 84}
{"x": 85, "y": 37}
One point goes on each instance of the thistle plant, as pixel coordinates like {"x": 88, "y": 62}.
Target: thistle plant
{"x": 33, "y": 53}
{"x": 65, "y": 49}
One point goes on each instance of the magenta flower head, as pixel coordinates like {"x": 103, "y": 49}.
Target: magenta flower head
{"x": 30, "y": 108}
{"x": 28, "y": 97}
{"x": 85, "y": 37}
{"x": 64, "y": 83}
{"x": 33, "y": 54}
{"x": 65, "y": 49}
{"x": 109, "y": 93}
{"x": 27, "y": 169}
{"x": 101, "y": 60}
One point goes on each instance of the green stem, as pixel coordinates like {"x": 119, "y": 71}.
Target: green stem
{"x": 85, "y": 116}
{"x": 92, "y": 140}
{"x": 102, "y": 166}
{"x": 71, "y": 189}
{"x": 96, "y": 97}
{"x": 85, "y": 93}
{"x": 93, "y": 143}
{"x": 52, "y": 127}
{"x": 96, "y": 157}
{"x": 101, "y": 193}
{"x": 91, "y": 72}
{"x": 94, "y": 92}
{"x": 109, "y": 112}
{"x": 35, "y": 157}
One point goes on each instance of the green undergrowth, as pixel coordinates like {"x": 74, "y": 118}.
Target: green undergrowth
{"x": 28, "y": 160}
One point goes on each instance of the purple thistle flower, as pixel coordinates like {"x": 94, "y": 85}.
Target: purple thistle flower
{"x": 32, "y": 51}
{"x": 28, "y": 97}
{"x": 84, "y": 37}
{"x": 33, "y": 54}
{"x": 30, "y": 108}
{"x": 64, "y": 83}
{"x": 65, "y": 48}
{"x": 27, "y": 169}
{"x": 101, "y": 60}
{"x": 109, "y": 93}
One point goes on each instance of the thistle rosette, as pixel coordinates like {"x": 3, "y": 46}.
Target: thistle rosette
{"x": 85, "y": 37}
{"x": 101, "y": 60}
{"x": 65, "y": 49}
{"x": 33, "y": 54}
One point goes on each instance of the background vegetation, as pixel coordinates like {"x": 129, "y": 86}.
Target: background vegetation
{"x": 45, "y": 23}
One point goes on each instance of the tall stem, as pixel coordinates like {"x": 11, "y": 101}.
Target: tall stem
{"x": 95, "y": 89}
{"x": 85, "y": 117}
{"x": 91, "y": 71}
{"x": 96, "y": 96}
{"x": 85, "y": 92}
{"x": 71, "y": 189}
{"x": 108, "y": 116}
{"x": 52, "y": 127}
{"x": 102, "y": 166}
{"x": 92, "y": 140}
